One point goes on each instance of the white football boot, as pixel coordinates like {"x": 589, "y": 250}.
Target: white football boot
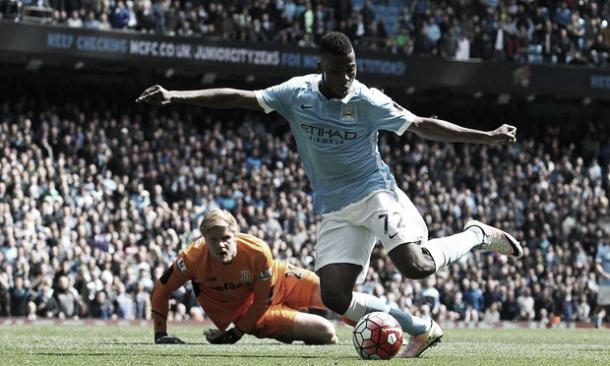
{"x": 419, "y": 343}
{"x": 496, "y": 240}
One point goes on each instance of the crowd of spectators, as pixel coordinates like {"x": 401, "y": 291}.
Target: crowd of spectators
{"x": 97, "y": 200}
{"x": 563, "y": 32}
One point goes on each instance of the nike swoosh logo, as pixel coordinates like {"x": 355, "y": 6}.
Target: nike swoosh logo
{"x": 393, "y": 235}
{"x": 303, "y": 106}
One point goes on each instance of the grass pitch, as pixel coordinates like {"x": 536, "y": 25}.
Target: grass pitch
{"x": 132, "y": 345}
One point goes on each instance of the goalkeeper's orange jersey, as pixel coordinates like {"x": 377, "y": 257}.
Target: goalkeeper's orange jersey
{"x": 238, "y": 292}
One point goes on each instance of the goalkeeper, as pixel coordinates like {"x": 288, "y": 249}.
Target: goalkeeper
{"x": 242, "y": 289}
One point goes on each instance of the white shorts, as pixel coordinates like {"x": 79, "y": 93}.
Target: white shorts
{"x": 603, "y": 296}
{"x": 350, "y": 234}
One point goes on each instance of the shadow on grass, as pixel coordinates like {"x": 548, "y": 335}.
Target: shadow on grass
{"x": 217, "y": 345}
{"x": 245, "y": 356}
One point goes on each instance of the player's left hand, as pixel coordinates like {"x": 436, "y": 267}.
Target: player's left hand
{"x": 505, "y": 134}
{"x": 216, "y": 336}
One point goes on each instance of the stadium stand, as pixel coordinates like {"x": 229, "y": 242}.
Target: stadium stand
{"x": 97, "y": 195}
{"x": 563, "y": 32}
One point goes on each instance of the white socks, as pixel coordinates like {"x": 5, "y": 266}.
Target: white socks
{"x": 449, "y": 249}
{"x": 444, "y": 251}
{"x": 364, "y": 303}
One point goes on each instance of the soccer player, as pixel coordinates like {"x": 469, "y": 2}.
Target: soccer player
{"x": 602, "y": 266}
{"x": 335, "y": 120}
{"x": 242, "y": 288}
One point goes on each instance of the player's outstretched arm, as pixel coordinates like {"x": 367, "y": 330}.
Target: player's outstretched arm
{"x": 171, "y": 279}
{"x": 439, "y": 130}
{"x": 211, "y": 98}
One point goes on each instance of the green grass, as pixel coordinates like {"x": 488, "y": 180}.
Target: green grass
{"x": 123, "y": 345}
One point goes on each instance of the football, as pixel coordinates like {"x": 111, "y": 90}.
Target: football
{"x": 377, "y": 336}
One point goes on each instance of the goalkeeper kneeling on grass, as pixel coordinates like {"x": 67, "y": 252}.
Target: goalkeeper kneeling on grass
{"x": 242, "y": 289}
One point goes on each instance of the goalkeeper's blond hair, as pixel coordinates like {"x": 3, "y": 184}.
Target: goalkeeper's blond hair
{"x": 218, "y": 218}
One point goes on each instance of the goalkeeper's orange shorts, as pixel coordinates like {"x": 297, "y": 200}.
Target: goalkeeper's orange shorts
{"x": 296, "y": 289}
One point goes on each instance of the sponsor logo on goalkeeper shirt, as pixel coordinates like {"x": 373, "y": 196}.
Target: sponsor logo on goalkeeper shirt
{"x": 230, "y": 286}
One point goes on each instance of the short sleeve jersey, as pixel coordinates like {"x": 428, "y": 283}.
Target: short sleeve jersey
{"x": 337, "y": 139}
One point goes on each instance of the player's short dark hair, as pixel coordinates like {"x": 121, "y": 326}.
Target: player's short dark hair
{"x": 335, "y": 43}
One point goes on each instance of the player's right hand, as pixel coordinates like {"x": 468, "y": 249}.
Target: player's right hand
{"x": 167, "y": 339}
{"x": 156, "y": 95}
{"x": 215, "y": 336}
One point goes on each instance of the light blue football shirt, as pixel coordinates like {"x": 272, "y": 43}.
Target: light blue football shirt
{"x": 337, "y": 139}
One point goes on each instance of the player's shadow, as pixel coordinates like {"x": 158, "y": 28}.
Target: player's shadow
{"x": 208, "y": 344}
{"x": 232, "y": 356}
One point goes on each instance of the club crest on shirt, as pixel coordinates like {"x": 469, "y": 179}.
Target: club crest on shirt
{"x": 348, "y": 113}
{"x": 246, "y": 276}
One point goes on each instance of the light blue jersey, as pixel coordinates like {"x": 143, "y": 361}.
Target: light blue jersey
{"x": 603, "y": 258}
{"x": 337, "y": 139}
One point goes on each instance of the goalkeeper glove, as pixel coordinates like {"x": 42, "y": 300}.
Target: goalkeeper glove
{"x": 163, "y": 338}
{"x": 216, "y": 336}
